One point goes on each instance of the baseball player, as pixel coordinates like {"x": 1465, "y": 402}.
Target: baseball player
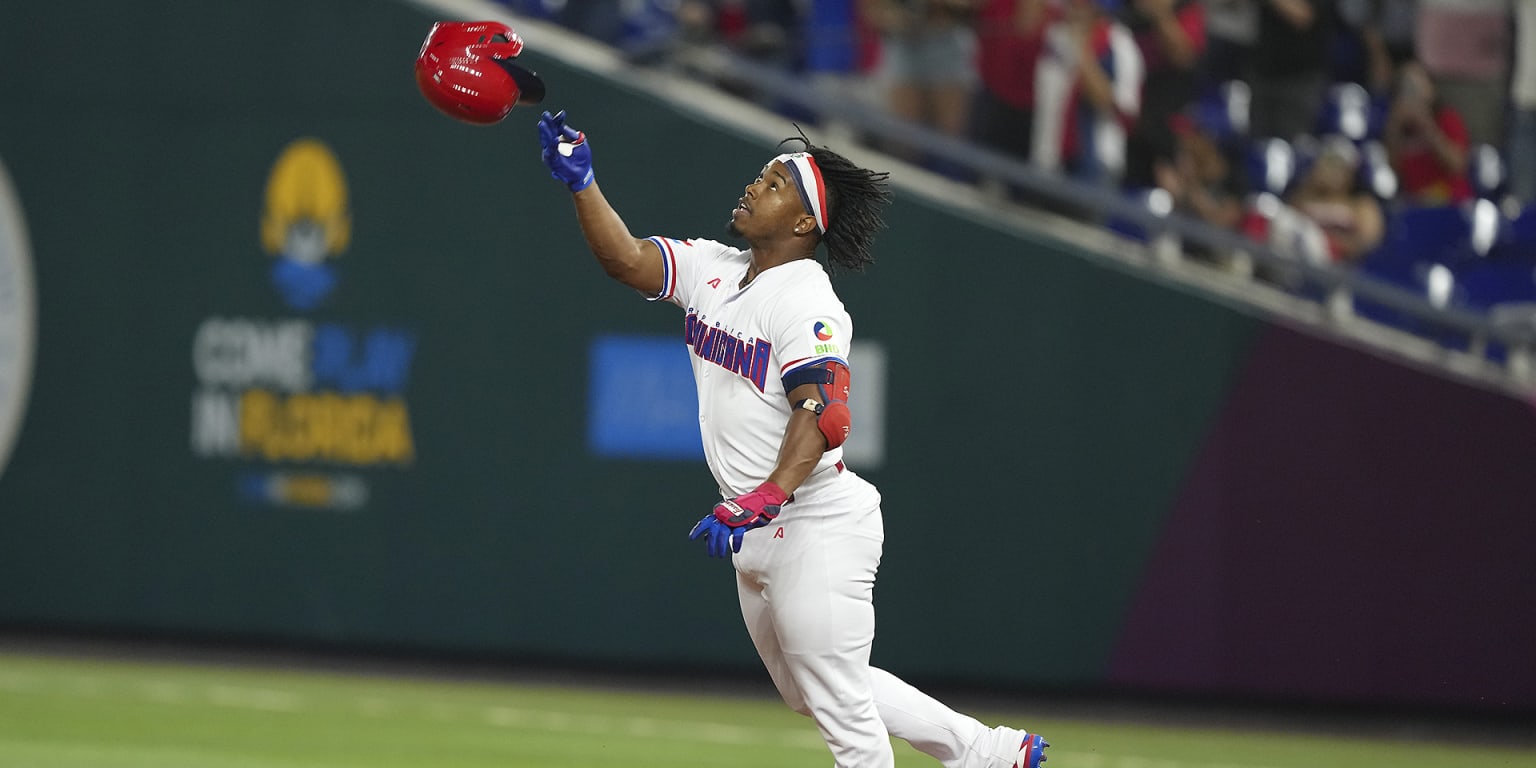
{"x": 769, "y": 344}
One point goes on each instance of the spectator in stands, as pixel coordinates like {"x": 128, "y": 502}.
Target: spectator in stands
{"x": 1383, "y": 31}
{"x": 1521, "y": 141}
{"x": 1203, "y": 181}
{"x": 533, "y": 9}
{"x": 1171, "y": 37}
{"x": 1464, "y": 46}
{"x": 1289, "y": 68}
{"x": 601, "y": 20}
{"x": 1426, "y": 143}
{"x": 1330, "y": 195}
{"x": 1087, "y": 92}
{"x": 840, "y": 52}
{"x": 1009, "y": 36}
{"x": 1231, "y": 29}
{"x": 927, "y": 59}
{"x": 763, "y": 31}
{"x": 649, "y": 31}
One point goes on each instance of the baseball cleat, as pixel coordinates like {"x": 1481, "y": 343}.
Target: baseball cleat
{"x": 1031, "y": 751}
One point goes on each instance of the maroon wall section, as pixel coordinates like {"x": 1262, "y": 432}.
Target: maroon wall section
{"x": 1351, "y": 530}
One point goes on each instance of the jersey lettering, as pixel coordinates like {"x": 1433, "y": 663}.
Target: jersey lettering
{"x": 748, "y": 359}
{"x": 715, "y": 283}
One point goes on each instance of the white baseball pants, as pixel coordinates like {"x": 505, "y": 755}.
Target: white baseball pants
{"x": 806, "y": 585}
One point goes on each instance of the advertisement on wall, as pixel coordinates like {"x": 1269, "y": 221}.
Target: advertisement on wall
{"x": 304, "y": 407}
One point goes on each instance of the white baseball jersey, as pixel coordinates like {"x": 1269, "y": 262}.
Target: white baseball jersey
{"x": 742, "y": 342}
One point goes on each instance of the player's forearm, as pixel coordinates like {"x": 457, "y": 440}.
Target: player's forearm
{"x": 802, "y": 448}
{"x": 608, "y": 237}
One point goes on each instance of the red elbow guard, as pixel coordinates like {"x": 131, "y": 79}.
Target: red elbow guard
{"x": 832, "y": 381}
{"x": 835, "y": 421}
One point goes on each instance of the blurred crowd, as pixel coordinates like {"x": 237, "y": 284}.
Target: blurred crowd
{"x": 1322, "y": 127}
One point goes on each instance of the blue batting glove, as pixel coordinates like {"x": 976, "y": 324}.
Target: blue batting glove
{"x": 565, "y": 152}
{"x": 720, "y": 539}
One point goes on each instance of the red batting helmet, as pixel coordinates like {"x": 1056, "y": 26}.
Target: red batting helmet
{"x": 465, "y": 69}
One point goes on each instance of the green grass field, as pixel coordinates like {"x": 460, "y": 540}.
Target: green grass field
{"x": 65, "y": 712}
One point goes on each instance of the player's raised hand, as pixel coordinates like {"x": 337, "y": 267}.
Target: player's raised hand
{"x": 565, "y": 151}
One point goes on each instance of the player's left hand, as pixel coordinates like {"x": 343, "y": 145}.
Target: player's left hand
{"x": 752, "y": 510}
{"x": 565, "y": 152}
{"x": 732, "y": 518}
{"x": 720, "y": 539}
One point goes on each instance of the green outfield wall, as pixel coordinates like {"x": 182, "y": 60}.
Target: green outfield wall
{"x": 316, "y": 365}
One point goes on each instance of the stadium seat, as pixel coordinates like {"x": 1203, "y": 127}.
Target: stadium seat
{"x": 1271, "y": 165}
{"x": 1376, "y": 171}
{"x": 1522, "y": 231}
{"x": 1350, "y": 111}
{"x": 1421, "y": 252}
{"x": 1487, "y": 171}
{"x": 1488, "y": 283}
{"x": 1223, "y": 113}
{"x": 1490, "y": 229}
{"x": 1155, "y": 200}
{"x": 1440, "y": 234}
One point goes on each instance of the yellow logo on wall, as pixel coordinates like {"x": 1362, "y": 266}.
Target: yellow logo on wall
{"x": 305, "y": 222}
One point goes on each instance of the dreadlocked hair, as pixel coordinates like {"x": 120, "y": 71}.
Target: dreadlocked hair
{"x": 856, "y": 198}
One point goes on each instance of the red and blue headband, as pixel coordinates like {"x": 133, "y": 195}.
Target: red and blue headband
{"x": 807, "y": 176}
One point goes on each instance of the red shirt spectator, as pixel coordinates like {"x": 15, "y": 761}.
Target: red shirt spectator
{"x": 1009, "y": 36}
{"x": 1426, "y": 142}
{"x": 1171, "y": 36}
{"x": 1087, "y": 92}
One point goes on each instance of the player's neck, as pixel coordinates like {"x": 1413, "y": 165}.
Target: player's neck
{"x": 766, "y": 256}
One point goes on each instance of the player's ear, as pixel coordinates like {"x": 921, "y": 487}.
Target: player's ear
{"x": 805, "y": 225}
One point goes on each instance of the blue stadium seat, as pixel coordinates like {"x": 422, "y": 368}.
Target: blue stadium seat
{"x": 1497, "y": 237}
{"x": 1421, "y": 252}
{"x": 1349, "y": 110}
{"x": 1271, "y": 165}
{"x": 1439, "y": 235}
{"x": 1522, "y": 230}
{"x": 1484, "y": 284}
{"x": 1487, "y": 171}
{"x": 1223, "y": 113}
{"x": 1376, "y": 171}
{"x": 1154, "y": 199}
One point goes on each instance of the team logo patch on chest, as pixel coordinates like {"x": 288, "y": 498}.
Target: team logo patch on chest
{"x": 748, "y": 359}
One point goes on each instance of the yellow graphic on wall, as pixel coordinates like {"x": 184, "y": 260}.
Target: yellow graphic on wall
{"x": 305, "y": 222}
